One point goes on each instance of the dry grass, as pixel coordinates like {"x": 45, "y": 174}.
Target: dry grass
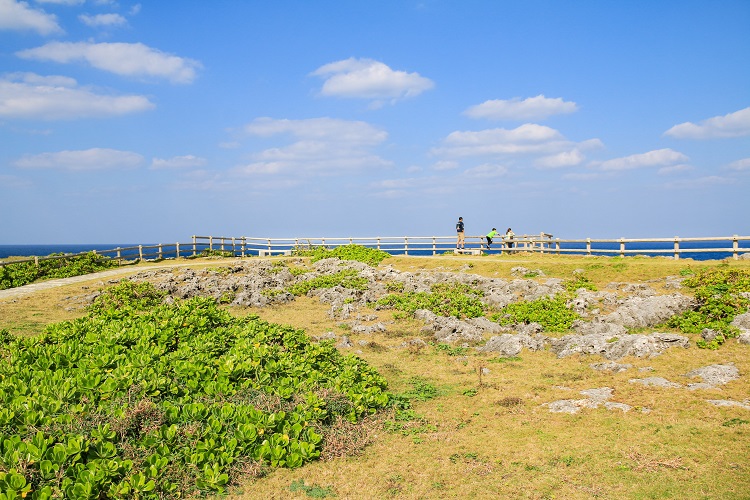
{"x": 487, "y": 434}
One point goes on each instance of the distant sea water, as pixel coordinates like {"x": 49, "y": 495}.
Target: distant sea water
{"x": 650, "y": 249}
{"x": 44, "y": 250}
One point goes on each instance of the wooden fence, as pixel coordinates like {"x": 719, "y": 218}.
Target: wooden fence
{"x": 542, "y": 243}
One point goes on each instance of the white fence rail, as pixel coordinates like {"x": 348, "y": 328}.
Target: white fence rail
{"x": 676, "y": 247}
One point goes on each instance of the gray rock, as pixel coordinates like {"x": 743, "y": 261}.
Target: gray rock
{"x": 654, "y": 382}
{"x": 708, "y": 334}
{"x": 728, "y": 402}
{"x": 506, "y": 345}
{"x": 715, "y": 375}
{"x": 345, "y": 342}
{"x": 610, "y": 366}
{"x": 642, "y": 312}
{"x": 744, "y": 338}
{"x": 742, "y": 321}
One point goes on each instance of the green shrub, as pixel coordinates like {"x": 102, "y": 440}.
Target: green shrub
{"x": 718, "y": 301}
{"x": 23, "y": 273}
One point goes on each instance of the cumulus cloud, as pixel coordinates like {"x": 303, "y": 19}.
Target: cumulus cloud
{"x": 19, "y": 16}
{"x": 528, "y": 139}
{"x": 82, "y": 160}
{"x": 127, "y": 59}
{"x": 735, "y": 124}
{"x": 531, "y": 108}
{"x": 177, "y": 162}
{"x": 563, "y": 159}
{"x": 369, "y": 79}
{"x": 656, "y": 158}
{"x": 103, "y": 20}
{"x": 320, "y": 145}
{"x": 27, "y": 95}
{"x": 743, "y": 164}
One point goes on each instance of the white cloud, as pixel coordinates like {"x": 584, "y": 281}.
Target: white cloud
{"x": 369, "y": 79}
{"x": 20, "y": 16}
{"x": 674, "y": 169}
{"x": 321, "y": 145}
{"x": 486, "y": 171}
{"x": 656, "y": 158}
{"x": 563, "y": 159}
{"x": 103, "y": 20}
{"x": 735, "y": 124}
{"x": 82, "y": 160}
{"x": 531, "y": 108}
{"x": 27, "y": 95}
{"x": 526, "y": 139}
{"x": 445, "y": 165}
{"x": 187, "y": 161}
{"x": 743, "y": 164}
{"x": 127, "y": 59}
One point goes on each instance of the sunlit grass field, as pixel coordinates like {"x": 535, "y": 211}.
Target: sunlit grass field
{"x": 478, "y": 427}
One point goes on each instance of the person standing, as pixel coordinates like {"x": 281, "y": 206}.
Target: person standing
{"x": 489, "y": 237}
{"x": 460, "y": 242}
{"x": 508, "y": 237}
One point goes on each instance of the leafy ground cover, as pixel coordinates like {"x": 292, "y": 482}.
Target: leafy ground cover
{"x": 359, "y": 253}
{"x": 23, "y": 273}
{"x": 139, "y": 399}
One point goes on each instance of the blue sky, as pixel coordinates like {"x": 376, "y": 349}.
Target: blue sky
{"x": 150, "y": 122}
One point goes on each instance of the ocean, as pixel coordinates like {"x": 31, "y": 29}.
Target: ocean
{"x": 650, "y": 249}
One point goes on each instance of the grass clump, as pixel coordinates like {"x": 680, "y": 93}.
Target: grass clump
{"x": 550, "y": 312}
{"x": 147, "y": 400}
{"x": 370, "y": 256}
{"x": 347, "y": 278}
{"x": 719, "y": 299}
{"x": 445, "y": 299}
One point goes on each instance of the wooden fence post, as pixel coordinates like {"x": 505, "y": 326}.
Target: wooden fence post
{"x": 242, "y": 247}
{"x": 194, "y": 246}
{"x": 735, "y": 247}
{"x": 557, "y": 245}
{"x": 588, "y": 246}
{"x": 434, "y": 246}
{"x": 177, "y": 250}
{"x": 140, "y": 253}
{"x": 36, "y": 261}
{"x": 378, "y": 242}
{"x": 622, "y": 247}
{"x": 160, "y": 252}
{"x": 406, "y": 245}
{"x": 676, "y": 247}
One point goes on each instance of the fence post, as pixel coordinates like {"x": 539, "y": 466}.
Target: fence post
{"x": 406, "y": 245}
{"x": 242, "y": 247}
{"x": 160, "y": 253}
{"x": 193, "y": 245}
{"x": 269, "y": 246}
{"x": 676, "y": 247}
{"x": 735, "y": 247}
{"x": 351, "y": 242}
{"x": 177, "y": 250}
{"x": 378, "y": 242}
{"x": 210, "y": 242}
{"x": 588, "y": 246}
{"x": 557, "y": 245}
{"x": 119, "y": 259}
{"x": 622, "y": 247}
{"x": 36, "y": 261}
{"x": 434, "y": 246}
{"x": 234, "y": 248}
{"x": 140, "y": 253}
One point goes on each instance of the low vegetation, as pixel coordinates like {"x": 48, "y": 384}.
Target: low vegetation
{"x": 140, "y": 399}
{"x": 358, "y": 253}
{"x": 23, "y": 273}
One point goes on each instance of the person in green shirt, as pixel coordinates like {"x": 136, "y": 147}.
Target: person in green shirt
{"x": 489, "y": 237}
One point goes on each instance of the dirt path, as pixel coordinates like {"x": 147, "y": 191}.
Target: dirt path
{"x": 20, "y": 291}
